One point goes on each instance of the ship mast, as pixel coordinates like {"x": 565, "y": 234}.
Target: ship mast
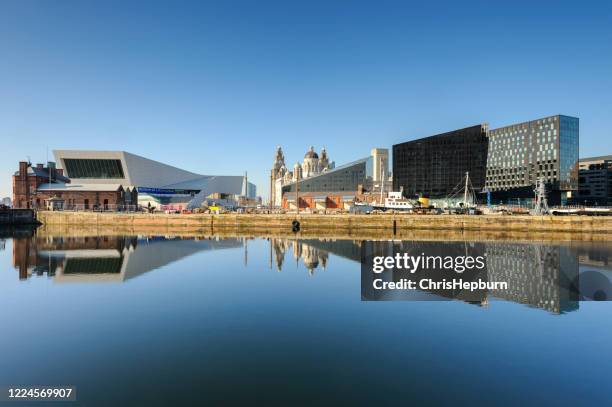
{"x": 467, "y": 180}
{"x": 382, "y": 183}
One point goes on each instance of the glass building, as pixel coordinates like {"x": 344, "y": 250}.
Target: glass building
{"x": 347, "y": 177}
{"x": 522, "y": 153}
{"x": 434, "y": 166}
{"x": 595, "y": 181}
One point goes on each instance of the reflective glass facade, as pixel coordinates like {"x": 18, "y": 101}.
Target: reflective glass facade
{"x": 93, "y": 168}
{"x": 568, "y": 153}
{"x": 435, "y": 165}
{"x": 522, "y": 153}
{"x": 345, "y": 178}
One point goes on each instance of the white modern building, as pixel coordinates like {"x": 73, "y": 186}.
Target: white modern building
{"x": 159, "y": 185}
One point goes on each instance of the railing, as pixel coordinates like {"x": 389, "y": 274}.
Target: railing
{"x": 94, "y": 208}
{"x": 580, "y": 207}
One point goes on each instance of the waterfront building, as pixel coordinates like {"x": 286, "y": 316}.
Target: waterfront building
{"x": 522, "y": 153}
{"x": 6, "y": 202}
{"x": 311, "y": 166}
{"x": 322, "y": 185}
{"x": 380, "y": 164}
{"x": 75, "y": 196}
{"x": 158, "y": 185}
{"x": 319, "y": 200}
{"x": 28, "y": 179}
{"x": 329, "y": 187}
{"x": 434, "y": 166}
{"x": 595, "y": 181}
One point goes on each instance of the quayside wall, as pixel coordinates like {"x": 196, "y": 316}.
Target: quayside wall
{"x": 388, "y": 225}
{"x": 17, "y": 217}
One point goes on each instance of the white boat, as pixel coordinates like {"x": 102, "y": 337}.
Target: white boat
{"x": 395, "y": 201}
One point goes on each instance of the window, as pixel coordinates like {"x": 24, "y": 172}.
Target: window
{"x": 93, "y": 168}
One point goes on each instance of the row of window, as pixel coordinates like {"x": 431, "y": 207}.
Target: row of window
{"x": 93, "y": 168}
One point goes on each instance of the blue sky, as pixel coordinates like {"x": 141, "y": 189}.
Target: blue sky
{"x": 214, "y": 87}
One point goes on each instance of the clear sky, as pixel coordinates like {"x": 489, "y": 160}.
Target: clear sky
{"x": 214, "y": 87}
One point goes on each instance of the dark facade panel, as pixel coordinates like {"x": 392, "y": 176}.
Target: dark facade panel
{"x": 93, "y": 168}
{"x": 595, "y": 181}
{"x": 435, "y": 165}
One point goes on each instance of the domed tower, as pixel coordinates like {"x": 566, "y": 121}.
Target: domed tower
{"x": 310, "y": 166}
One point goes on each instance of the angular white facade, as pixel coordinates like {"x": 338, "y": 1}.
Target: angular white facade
{"x": 131, "y": 170}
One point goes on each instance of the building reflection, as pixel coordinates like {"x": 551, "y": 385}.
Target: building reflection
{"x": 539, "y": 275}
{"x": 594, "y": 254}
{"x": 103, "y": 258}
{"x": 313, "y": 253}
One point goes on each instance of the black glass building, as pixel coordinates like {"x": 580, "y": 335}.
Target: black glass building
{"x": 434, "y": 166}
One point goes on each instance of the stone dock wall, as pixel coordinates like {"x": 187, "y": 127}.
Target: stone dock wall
{"x": 388, "y": 225}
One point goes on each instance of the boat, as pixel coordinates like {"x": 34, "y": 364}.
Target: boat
{"x": 462, "y": 199}
{"x": 395, "y": 201}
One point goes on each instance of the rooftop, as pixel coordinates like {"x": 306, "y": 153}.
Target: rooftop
{"x": 43, "y": 173}
{"x": 337, "y": 169}
{"x": 597, "y": 158}
{"x": 62, "y": 187}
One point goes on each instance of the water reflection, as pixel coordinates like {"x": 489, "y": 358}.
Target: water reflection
{"x": 548, "y": 276}
{"x": 103, "y": 258}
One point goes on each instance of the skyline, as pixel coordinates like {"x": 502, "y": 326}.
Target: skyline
{"x": 214, "y": 89}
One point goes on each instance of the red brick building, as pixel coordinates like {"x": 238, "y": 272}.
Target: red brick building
{"x": 338, "y": 200}
{"x": 47, "y": 188}
{"x": 27, "y": 180}
{"x": 319, "y": 200}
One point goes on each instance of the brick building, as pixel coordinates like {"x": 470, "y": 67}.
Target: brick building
{"x": 43, "y": 187}
{"x": 84, "y": 197}
{"x": 27, "y": 180}
{"x": 334, "y": 201}
{"x": 319, "y": 200}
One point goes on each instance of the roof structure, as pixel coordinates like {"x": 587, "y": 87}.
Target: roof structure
{"x": 336, "y": 169}
{"x": 133, "y": 170}
{"x": 598, "y": 158}
{"x": 43, "y": 173}
{"x": 63, "y": 187}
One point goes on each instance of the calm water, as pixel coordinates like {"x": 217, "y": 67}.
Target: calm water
{"x": 161, "y": 321}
